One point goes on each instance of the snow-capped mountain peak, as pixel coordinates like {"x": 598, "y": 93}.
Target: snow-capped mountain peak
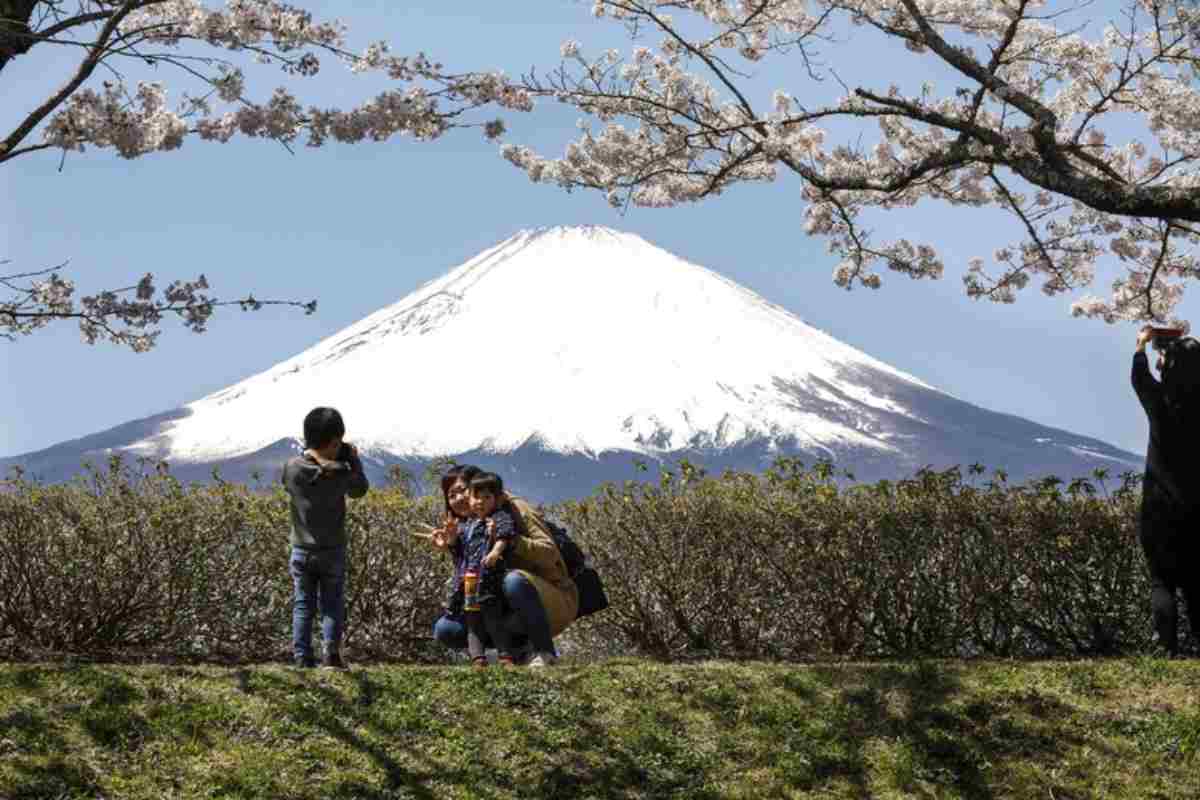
{"x": 561, "y": 355}
{"x": 585, "y": 339}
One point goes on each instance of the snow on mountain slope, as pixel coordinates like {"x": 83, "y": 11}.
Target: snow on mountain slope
{"x": 582, "y": 340}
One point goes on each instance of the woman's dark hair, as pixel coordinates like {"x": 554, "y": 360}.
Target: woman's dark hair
{"x": 464, "y": 471}
{"x": 322, "y": 425}
{"x": 1181, "y": 377}
{"x": 487, "y": 482}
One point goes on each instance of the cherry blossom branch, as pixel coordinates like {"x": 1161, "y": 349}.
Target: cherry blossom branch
{"x": 41, "y": 297}
{"x": 28, "y": 37}
{"x": 135, "y": 122}
{"x": 29, "y": 148}
{"x": 86, "y": 67}
{"x": 210, "y": 45}
{"x": 1159, "y": 260}
{"x": 701, "y": 54}
{"x": 1044, "y": 261}
{"x": 69, "y": 23}
{"x": 958, "y": 58}
{"x": 1034, "y": 108}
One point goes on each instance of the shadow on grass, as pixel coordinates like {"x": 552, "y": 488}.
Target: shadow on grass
{"x": 108, "y": 718}
{"x": 937, "y": 740}
{"x": 823, "y": 728}
{"x": 613, "y": 731}
{"x": 30, "y": 730}
{"x": 55, "y": 779}
{"x": 103, "y": 714}
{"x": 631, "y": 736}
{"x": 556, "y": 746}
{"x": 321, "y": 707}
{"x": 25, "y": 679}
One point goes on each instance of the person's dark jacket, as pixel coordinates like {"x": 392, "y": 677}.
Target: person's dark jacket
{"x": 318, "y": 499}
{"x": 1171, "y": 487}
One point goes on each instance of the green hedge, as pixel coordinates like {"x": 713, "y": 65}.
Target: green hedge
{"x": 134, "y": 565}
{"x": 129, "y": 564}
{"x": 789, "y": 565}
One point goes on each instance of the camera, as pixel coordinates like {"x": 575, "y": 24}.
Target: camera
{"x": 1166, "y": 333}
{"x": 1161, "y": 338}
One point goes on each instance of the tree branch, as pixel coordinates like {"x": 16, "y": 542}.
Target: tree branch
{"x": 968, "y": 66}
{"x": 1147, "y": 293}
{"x": 86, "y": 67}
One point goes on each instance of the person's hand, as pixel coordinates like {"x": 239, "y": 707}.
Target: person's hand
{"x": 490, "y": 559}
{"x": 342, "y": 462}
{"x": 326, "y": 465}
{"x": 446, "y": 535}
{"x": 1144, "y": 337}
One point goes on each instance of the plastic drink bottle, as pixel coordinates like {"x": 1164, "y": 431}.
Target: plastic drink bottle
{"x": 470, "y": 590}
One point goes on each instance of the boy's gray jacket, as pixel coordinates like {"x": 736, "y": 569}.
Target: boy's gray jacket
{"x": 318, "y": 501}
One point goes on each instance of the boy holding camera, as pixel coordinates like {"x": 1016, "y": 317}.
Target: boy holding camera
{"x": 317, "y": 483}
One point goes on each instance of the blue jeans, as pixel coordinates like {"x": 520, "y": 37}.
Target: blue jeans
{"x": 318, "y": 576}
{"x": 527, "y": 618}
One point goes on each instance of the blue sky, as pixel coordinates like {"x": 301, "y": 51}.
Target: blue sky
{"x": 358, "y": 227}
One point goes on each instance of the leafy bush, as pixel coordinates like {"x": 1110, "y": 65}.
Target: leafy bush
{"x": 133, "y": 564}
{"x": 786, "y": 565}
{"x": 791, "y": 565}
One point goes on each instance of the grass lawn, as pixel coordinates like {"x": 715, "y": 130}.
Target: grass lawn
{"x": 622, "y": 728}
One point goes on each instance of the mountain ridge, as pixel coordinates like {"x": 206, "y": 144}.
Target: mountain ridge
{"x": 563, "y": 345}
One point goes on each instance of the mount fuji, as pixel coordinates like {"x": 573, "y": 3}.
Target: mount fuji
{"x": 559, "y": 357}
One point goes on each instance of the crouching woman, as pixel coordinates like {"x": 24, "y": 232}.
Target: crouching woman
{"x": 540, "y": 599}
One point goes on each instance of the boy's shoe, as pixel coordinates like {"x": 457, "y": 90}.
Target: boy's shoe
{"x": 479, "y": 663}
{"x": 304, "y": 662}
{"x": 521, "y": 656}
{"x": 505, "y": 661}
{"x": 332, "y": 661}
{"x": 543, "y": 660}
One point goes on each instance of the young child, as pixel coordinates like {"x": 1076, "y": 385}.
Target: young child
{"x": 317, "y": 483}
{"x": 485, "y": 540}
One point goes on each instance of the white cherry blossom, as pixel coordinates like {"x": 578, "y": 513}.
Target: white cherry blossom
{"x": 1022, "y": 128}
{"x": 216, "y": 62}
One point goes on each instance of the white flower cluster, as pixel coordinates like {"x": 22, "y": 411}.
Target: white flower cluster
{"x": 129, "y": 316}
{"x": 138, "y": 120}
{"x": 207, "y": 44}
{"x": 1023, "y": 135}
{"x": 131, "y": 126}
{"x": 242, "y": 23}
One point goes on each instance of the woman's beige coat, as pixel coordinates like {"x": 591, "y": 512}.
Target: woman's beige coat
{"x": 536, "y": 556}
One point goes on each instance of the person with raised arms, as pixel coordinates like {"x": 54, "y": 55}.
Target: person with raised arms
{"x": 1169, "y": 524}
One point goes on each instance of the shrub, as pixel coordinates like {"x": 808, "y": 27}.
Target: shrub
{"x": 791, "y": 564}
{"x": 129, "y": 564}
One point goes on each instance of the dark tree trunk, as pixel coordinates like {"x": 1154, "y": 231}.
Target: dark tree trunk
{"x": 15, "y": 35}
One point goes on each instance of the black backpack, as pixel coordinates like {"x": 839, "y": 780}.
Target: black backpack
{"x": 591, "y": 591}
{"x": 571, "y": 552}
